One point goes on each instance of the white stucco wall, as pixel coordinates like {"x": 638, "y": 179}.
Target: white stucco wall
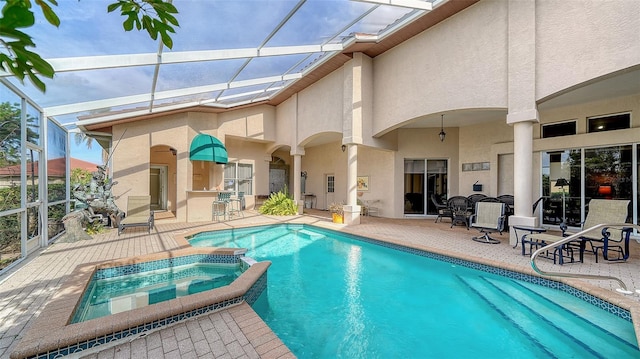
{"x": 319, "y": 161}
{"x": 131, "y": 157}
{"x": 475, "y": 146}
{"x": 459, "y": 63}
{"x": 253, "y": 123}
{"x": 286, "y": 123}
{"x": 581, "y": 40}
{"x": 320, "y": 106}
{"x": 377, "y": 165}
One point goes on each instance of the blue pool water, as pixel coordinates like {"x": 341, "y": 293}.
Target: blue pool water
{"x": 332, "y": 295}
{"x": 130, "y": 291}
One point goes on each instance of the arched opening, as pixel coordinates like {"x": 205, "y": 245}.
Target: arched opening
{"x": 162, "y": 178}
{"x": 278, "y": 175}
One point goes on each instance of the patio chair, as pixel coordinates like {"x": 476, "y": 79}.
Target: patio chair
{"x": 488, "y": 218}
{"x": 460, "y": 209}
{"x": 608, "y": 240}
{"x": 139, "y": 214}
{"x": 442, "y": 209}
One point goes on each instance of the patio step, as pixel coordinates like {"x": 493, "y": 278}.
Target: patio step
{"x": 531, "y": 313}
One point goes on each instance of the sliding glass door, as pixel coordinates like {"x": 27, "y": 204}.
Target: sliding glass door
{"x": 422, "y": 179}
{"x": 571, "y": 178}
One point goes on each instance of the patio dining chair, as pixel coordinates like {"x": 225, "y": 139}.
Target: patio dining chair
{"x": 442, "y": 209}
{"x": 474, "y": 198}
{"x": 139, "y": 214}
{"x": 460, "y": 209}
{"x": 509, "y": 202}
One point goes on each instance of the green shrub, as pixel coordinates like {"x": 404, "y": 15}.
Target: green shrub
{"x": 95, "y": 227}
{"x": 279, "y": 204}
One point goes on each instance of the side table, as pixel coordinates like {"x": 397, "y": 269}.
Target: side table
{"x": 521, "y": 238}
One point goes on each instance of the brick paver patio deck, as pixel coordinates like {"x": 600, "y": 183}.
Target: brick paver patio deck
{"x": 238, "y": 332}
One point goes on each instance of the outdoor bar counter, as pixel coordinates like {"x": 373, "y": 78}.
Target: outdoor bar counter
{"x": 199, "y": 205}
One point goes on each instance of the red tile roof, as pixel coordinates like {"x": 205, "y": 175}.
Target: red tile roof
{"x": 56, "y": 167}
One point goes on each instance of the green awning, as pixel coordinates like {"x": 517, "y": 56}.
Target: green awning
{"x": 207, "y": 148}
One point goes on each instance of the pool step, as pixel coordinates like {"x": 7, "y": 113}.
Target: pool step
{"x": 609, "y": 325}
{"x": 568, "y": 335}
{"x": 309, "y": 234}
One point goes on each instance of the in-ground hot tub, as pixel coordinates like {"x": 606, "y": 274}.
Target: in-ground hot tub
{"x": 55, "y": 334}
{"x": 112, "y": 291}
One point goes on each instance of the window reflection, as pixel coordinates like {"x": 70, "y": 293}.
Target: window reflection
{"x": 56, "y": 212}
{"x": 10, "y": 127}
{"x": 561, "y": 187}
{"x": 33, "y": 126}
{"x": 33, "y": 222}
{"x": 607, "y": 175}
{"x": 10, "y": 243}
{"x": 57, "y": 162}
{"x": 33, "y": 180}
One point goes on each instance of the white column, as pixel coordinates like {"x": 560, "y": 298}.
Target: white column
{"x": 523, "y": 167}
{"x": 351, "y": 209}
{"x": 297, "y": 170}
{"x": 523, "y": 112}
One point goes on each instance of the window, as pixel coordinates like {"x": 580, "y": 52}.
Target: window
{"x": 559, "y": 129}
{"x": 331, "y": 184}
{"x": 609, "y": 122}
{"x": 238, "y": 177}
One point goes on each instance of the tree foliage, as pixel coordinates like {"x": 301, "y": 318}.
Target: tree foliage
{"x": 80, "y": 177}
{"x": 10, "y": 126}
{"x": 16, "y": 46}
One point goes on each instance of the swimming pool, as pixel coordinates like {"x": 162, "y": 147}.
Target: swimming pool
{"x": 336, "y": 295}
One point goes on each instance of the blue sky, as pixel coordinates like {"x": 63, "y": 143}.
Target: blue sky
{"x": 87, "y": 29}
{"x": 82, "y": 153}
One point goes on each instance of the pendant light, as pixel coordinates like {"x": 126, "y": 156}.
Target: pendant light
{"x": 442, "y": 133}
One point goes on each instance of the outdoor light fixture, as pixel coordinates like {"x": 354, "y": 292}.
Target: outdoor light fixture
{"x": 344, "y": 148}
{"x": 442, "y": 133}
{"x": 561, "y": 182}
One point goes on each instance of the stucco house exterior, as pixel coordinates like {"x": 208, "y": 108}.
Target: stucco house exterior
{"x": 526, "y": 92}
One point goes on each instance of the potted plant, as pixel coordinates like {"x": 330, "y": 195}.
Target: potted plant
{"x": 337, "y": 212}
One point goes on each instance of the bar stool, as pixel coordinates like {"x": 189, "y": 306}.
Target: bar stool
{"x": 220, "y": 207}
{"x": 237, "y": 204}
